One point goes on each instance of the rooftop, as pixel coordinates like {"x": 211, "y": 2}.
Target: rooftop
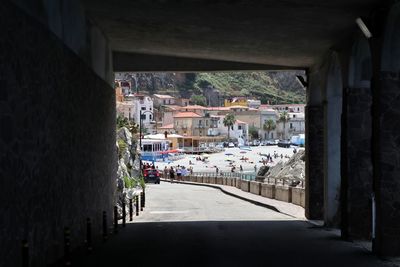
{"x": 193, "y": 107}
{"x": 167, "y": 126}
{"x": 187, "y": 115}
{"x": 163, "y": 96}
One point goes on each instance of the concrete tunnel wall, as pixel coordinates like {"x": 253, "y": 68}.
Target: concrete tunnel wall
{"x": 332, "y": 113}
{"x": 57, "y": 140}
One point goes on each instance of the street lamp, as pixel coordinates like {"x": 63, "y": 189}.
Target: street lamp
{"x": 140, "y": 134}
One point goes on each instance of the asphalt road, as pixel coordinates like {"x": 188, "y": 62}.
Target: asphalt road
{"x": 186, "y": 225}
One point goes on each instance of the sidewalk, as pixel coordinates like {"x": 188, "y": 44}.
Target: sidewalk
{"x": 289, "y": 209}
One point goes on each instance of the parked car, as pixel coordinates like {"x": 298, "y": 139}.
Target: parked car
{"x": 231, "y": 145}
{"x": 270, "y": 143}
{"x": 151, "y": 176}
{"x": 284, "y": 143}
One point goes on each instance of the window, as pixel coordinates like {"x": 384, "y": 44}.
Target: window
{"x": 143, "y": 117}
{"x": 150, "y": 108}
{"x": 147, "y": 148}
{"x": 150, "y": 117}
{"x": 240, "y": 127}
{"x": 200, "y": 121}
{"x": 291, "y": 125}
{"x": 143, "y": 108}
{"x": 294, "y": 116}
{"x": 164, "y": 101}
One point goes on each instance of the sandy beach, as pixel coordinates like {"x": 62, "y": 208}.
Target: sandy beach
{"x": 234, "y": 155}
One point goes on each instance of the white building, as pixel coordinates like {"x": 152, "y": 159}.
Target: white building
{"x": 239, "y": 130}
{"x": 160, "y": 100}
{"x": 292, "y": 108}
{"x": 144, "y": 105}
{"x": 294, "y": 126}
{"x": 253, "y": 103}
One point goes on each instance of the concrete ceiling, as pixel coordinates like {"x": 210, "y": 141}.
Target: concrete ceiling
{"x": 290, "y": 33}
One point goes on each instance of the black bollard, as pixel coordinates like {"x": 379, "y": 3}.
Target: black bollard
{"x": 25, "y": 253}
{"x": 115, "y": 220}
{"x": 105, "y": 235}
{"x": 123, "y": 214}
{"x": 144, "y": 198}
{"x": 141, "y": 201}
{"x": 88, "y": 235}
{"x": 67, "y": 247}
{"x": 130, "y": 210}
{"x": 137, "y": 205}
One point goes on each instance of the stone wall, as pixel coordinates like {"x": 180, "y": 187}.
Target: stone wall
{"x": 57, "y": 142}
{"x": 388, "y": 182}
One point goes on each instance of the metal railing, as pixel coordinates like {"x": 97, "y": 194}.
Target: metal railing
{"x": 251, "y": 176}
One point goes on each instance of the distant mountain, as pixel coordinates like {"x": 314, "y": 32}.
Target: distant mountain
{"x": 276, "y": 87}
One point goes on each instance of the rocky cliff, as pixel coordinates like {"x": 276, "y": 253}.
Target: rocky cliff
{"x": 271, "y": 87}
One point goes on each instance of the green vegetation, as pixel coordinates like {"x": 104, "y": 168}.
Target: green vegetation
{"x": 253, "y": 132}
{"x": 269, "y": 126}
{"x": 284, "y": 118}
{"x": 198, "y": 100}
{"x": 229, "y": 121}
{"x": 129, "y": 182}
{"x": 122, "y": 146}
{"x": 257, "y": 84}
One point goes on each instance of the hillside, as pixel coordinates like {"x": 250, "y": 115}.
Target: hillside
{"x": 273, "y": 87}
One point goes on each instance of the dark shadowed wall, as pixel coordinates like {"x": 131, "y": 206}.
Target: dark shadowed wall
{"x": 57, "y": 142}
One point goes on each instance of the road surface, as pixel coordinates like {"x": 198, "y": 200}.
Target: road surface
{"x": 188, "y": 225}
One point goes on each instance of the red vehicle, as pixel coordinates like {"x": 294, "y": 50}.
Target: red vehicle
{"x": 151, "y": 175}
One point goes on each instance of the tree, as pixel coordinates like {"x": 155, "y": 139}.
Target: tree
{"x": 269, "y": 126}
{"x": 229, "y": 121}
{"x": 253, "y": 132}
{"x": 284, "y": 118}
{"x": 198, "y": 100}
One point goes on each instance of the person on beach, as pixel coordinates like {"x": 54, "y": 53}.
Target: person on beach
{"x": 171, "y": 174}
{"x": 166, "y": 171}
{"x": 178, "y": 173}
{"x": 241, "y": 168}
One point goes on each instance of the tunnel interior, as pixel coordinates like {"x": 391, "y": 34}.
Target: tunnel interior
{"x": 57, "y": 121}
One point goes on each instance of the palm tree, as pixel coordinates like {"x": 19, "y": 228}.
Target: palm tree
{"x": 229, "y": 121}
{"x": 284, "y": 118}
{"x": 269, "y": 126}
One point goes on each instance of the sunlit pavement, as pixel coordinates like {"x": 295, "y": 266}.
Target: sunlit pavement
{"x": 185, "y": 225}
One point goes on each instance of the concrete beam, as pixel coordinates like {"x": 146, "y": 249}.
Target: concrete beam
{"x": 136, "y": 62}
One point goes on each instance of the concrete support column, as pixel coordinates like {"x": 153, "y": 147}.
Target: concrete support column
{"x": 357, "y": 168}
{"x": 332, "y": 134}
{"x": 314, "y": 164}
{"x": 359, "y": 162}
{"x": 387, "y": 160}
